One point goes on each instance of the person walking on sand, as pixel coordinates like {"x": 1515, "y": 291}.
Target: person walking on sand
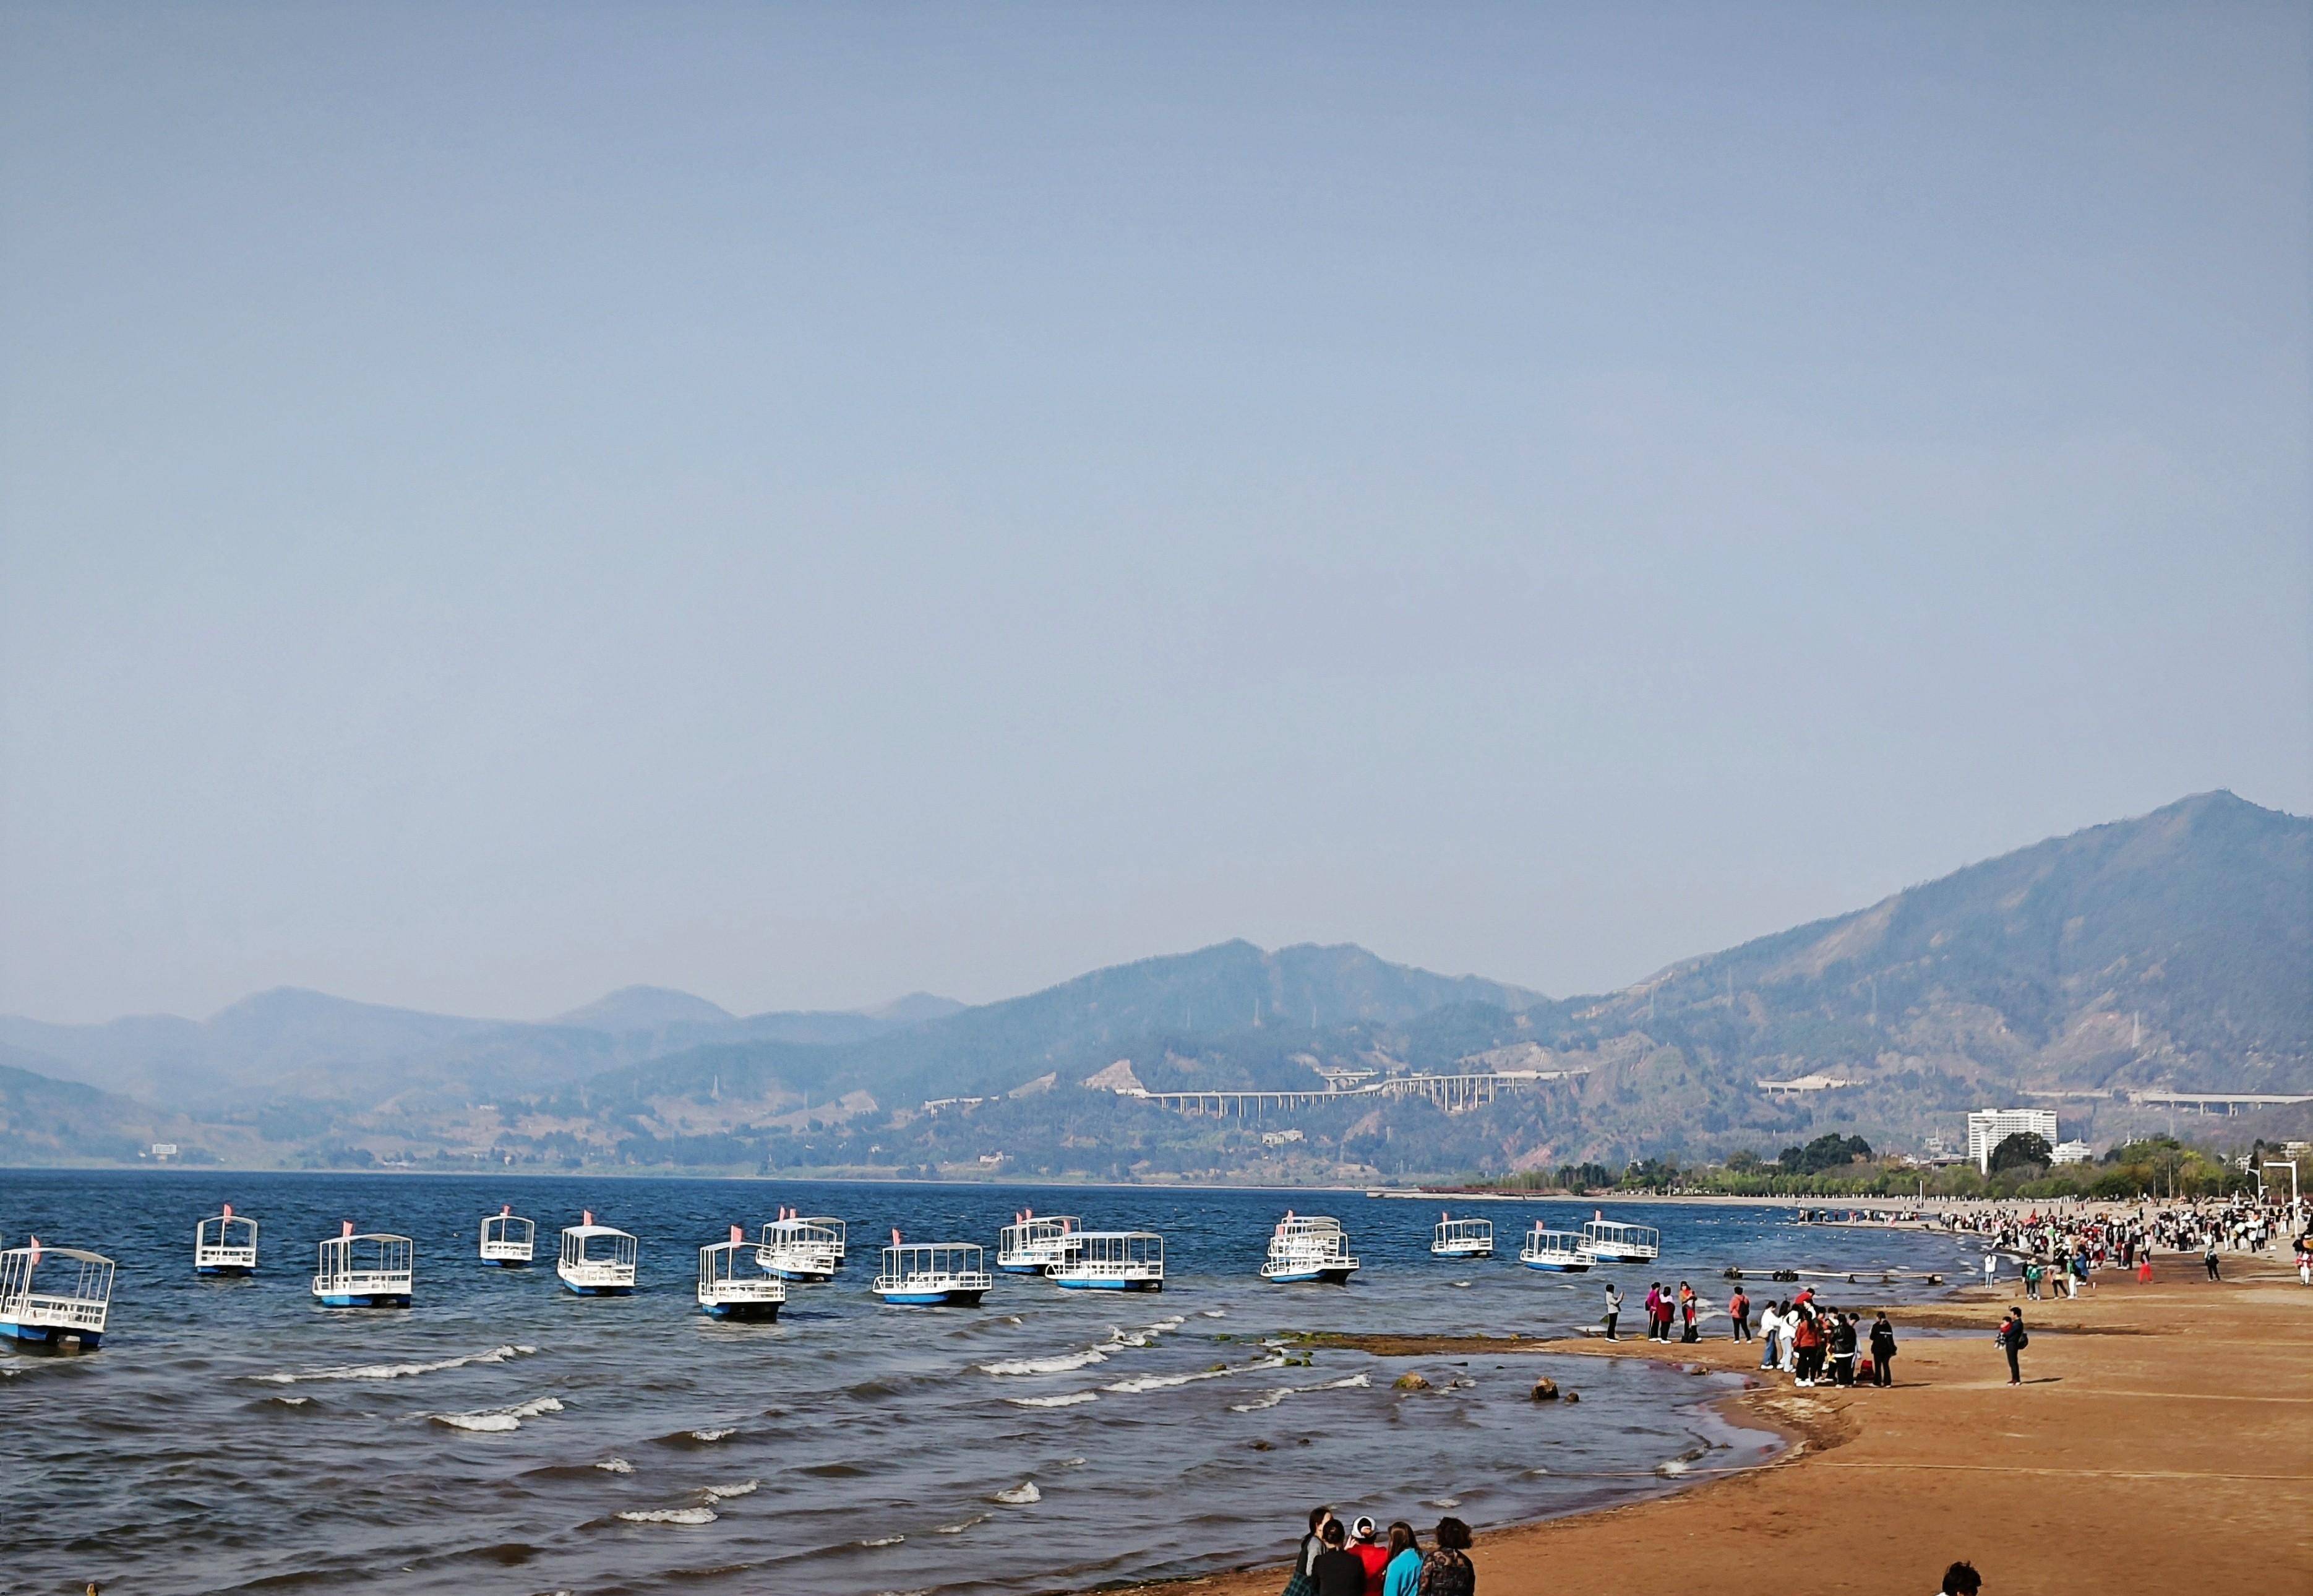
{"x": 1613, "y": 1309}
{"x": 1403, "y": 1577}
{"x": 1738, "y": 1310}
{"x": 1991, "y": 1270}
{"x": 1686, "y": 1305}
{"x": 1883, "y": 1350}
{"x": 1446, "y": 1571}
{"x": 2012, "y": 1340}
{"x": 2209, "y": 1256}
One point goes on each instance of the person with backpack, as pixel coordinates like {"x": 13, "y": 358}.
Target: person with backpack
{"x": 2012, "y": 1340}
{"x": 1738, "y": 1310}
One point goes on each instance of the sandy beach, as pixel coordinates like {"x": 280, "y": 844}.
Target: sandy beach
{"x": 2163, "y": 1438}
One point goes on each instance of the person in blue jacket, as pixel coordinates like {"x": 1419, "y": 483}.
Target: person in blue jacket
{"x": 1401, "y": 1574}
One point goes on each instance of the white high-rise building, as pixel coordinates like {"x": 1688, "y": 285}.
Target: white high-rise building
{"x": 1988, "y": 1127}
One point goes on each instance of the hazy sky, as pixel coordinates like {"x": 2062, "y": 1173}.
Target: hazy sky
{"x": 800, "y": 504}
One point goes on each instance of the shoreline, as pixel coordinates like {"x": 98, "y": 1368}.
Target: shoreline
{"x": 2159, "y": 1442}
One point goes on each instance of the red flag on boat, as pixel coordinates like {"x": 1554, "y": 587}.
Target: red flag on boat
{"x": 345, "y": 1228}
{"x": 588, "y": 1216}
{"x": 895, "y": 1235}
{"x": 505, "y": 1210}
{"x": 35, "y": 1259}
{"x": 737, "y": 1234}
{"x": 228, "y": 1210}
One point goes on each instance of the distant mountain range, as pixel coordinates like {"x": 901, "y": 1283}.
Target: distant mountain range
{"x": 2173, "y": 949}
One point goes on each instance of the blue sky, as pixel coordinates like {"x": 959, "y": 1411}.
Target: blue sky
{"x": 806, "y": 503}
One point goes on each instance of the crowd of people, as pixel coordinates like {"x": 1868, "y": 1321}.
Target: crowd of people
{"x": 1360, "y": 1559}
{"x": 2059, "y": 1250}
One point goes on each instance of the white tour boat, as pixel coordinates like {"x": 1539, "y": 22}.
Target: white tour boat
{"x": 1113, "y": 1260}
{"x": 1308, "y": 1246}
{"x": 224, "y": 1244}
{"x": 597, "y": 1261}
{"x": 1558, "y": 1252}
{"x": 1461, "y": 1238}
{"x": 508, "y": 1239}
{"x": 796, "y": 1248}
{"x": 834, "y": 1225}
{"x": 1033, "y": 1246}
{"x": 49, "y": 1295}
{"x": 935, "y": 1274}
{"x": 371, "y": 1270}
{"x": 1608, "y": 1242}
{"x": 731, "y": 1288}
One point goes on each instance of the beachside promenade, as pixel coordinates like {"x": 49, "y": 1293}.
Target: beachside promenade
{"x": 2162, "y": 1441}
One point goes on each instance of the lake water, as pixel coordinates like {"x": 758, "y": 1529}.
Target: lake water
{"x": 233, "y": 1435}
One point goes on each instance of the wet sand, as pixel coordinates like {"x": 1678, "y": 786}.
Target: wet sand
{"x": 2162, "y": 1439}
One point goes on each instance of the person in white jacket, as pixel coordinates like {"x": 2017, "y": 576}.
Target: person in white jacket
{"x": 1771, "y": 1332}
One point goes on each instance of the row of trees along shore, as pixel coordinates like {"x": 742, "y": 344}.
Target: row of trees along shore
{"x": 2022, "y": 1166}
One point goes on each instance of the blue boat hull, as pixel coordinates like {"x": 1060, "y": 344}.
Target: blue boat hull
{"x": 934, "y": 1299}
{"x": 1067, "y": 1284}
{"x": 227, "y": 1271}
{"x": 50, "y": 1336}
{"x": 806, "y": 1277}
{"x": 758, "y": 1312}
{"x": 508, "y": 1263}
{"x": 381, "y": 1299}
{"x": 1556, "y": 1269}
{"x": 1023, "y": 1268}
{"x": 1309, "y": 1277}
{"x": 598, "y": 1290}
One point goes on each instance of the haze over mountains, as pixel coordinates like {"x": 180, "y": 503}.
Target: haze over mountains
{"x": 2173, "y": 949}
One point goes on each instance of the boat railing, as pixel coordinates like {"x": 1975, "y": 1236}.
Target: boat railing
{"x": 1116, "y": 1254}
{"x": 366, "y": 1263}
{"x": 227, "y": 1241}
{"x": 720, "y": 1276}
{"x": 959, "y": 1264}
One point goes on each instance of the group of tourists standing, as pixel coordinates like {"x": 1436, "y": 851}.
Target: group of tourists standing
{"x": 1357, "y": 1559}
{"x": 1821, "y": 1346}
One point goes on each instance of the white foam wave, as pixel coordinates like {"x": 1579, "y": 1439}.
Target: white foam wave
{"x": 958, "y": 1528}
{"x": 1158, "y": 1382}
{"x": 1020, "y": 1495}
{"x": 1067, "y": 1399}
{"x": 884, "y": 1540}
{"x": 496, "y": 1355}
{"x": 711, "y": 1434}
{"x": 1212, "y": 1313}
{"x": 1060, "y": 1363}
{"x": 615, "y": 1466}
{"x": 500, "y": 1420}
{"x": 745, "y": 1487}
{"x": 290, "y": 1401}
{"x": 671, "y": 1515}
{"x": 1270, "y": 1399}
{"x": 1444, "y": 1502}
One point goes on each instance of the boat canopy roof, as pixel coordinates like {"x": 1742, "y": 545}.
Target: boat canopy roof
{"x": 43, "y": 1251}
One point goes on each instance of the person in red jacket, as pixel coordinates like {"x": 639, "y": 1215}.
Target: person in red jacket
{"x": 1369, "y": 1551}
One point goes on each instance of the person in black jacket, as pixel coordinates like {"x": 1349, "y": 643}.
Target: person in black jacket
{"x": 1843, "y": 1348}
{"x": 2012, "y": 1340}
{"x": 1883, "y": 1350}
{"x": 1338, "y": 1573}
